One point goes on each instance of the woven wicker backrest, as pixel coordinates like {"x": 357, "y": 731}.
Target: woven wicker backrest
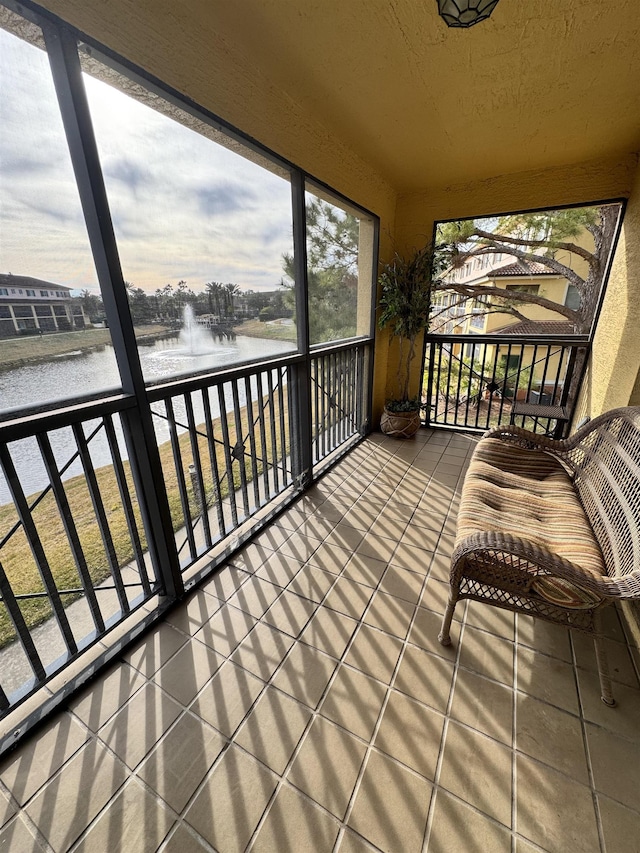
{"x": 605, "y": 459}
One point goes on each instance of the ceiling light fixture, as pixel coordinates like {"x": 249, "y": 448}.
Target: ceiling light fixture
{"x": 465, "y": 13}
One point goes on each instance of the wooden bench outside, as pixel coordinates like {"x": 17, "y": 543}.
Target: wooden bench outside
{"x": 551, "y": 528}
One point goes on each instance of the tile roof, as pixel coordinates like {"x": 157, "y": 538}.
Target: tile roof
{"x": 521, "y": 268}
{"x": 9, "y": 280}
{"x": 536, "y": 327}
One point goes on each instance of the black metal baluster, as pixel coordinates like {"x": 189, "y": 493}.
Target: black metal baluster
{"x": 36, "y": 547}
{"x": 127, "y": 504}
{"x": 239, "y": 451}
{"x": 200, "y": 494}
{"x": 283, "y": 435}
{"x": 263, "y": 436}
{"x": 459, "y": 386}
{"x": 503, "y": 395}
{"x": 101, "y": 515}
{"x": 182, "y": 484}
{"x": 273, "y": 431}
{"x": 480, "y": 382}
{"x": 70, "y": 529}
{"x": 224, "y": 423}
{"x": 252, "y": 441}
{"x": 20, "y": 626}
{"x": 213, "y": 461}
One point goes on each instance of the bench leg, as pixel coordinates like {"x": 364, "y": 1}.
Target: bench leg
{"x": 444, "y": 636}
{"x": 603, "y": 666}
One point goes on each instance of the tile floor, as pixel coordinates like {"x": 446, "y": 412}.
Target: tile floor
{"x": 300, "y": 701}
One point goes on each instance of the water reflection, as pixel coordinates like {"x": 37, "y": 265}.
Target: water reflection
{"x": 85, "y": 373}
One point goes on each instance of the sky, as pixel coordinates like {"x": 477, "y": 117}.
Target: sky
{"x": 183, "y": 207}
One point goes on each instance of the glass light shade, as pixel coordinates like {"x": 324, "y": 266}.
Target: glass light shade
{"x": 465, "y": 13}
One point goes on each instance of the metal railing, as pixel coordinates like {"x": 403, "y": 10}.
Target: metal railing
{"x": 78, "y": 552}
{"x": 337, "y": 399}
{"x": 474, "y": 382}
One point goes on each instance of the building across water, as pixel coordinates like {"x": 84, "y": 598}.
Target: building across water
{"x": 30, "y": 305}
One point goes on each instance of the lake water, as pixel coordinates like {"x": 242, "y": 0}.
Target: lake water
{"x": 81, "y": 374}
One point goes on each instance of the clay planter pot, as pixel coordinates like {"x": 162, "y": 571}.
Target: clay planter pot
{"x": 400, "y": 424}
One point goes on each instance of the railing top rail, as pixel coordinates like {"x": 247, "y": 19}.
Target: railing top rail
{"x": 30, "y": 423}
{"x": 155, "y": 393}
{"x": 525, "y": 340}
{"x": 350, "y": 343}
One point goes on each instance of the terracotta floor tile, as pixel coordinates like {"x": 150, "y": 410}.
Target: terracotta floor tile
{"x": 305, "y": 674}
{"x": 425, "y": 677}
{"x": 551, "y": 736}
{"x": 56, "y": 811}
{"x": 273, "y": 729}
{"x": 478, "y": 770}
{"x": 410, "y": 733}
{"x": 548, "y": 679}
{"x": 290, "y": 613}
{"x": 262, "y": 651}
{"x": 25, "y": 771}
{"x": 390, "y": 614}
{"x": 295, "y": 824}
{"x": 391, "y": 806}
{"x": 329, "y": 631}
{"x": 457, "y": 827}
{"x": 137, "y": 727}
{"x": 299, "y": 547}
{"x": 374, "y": 653}
{"x": 616, "y": 765}
{"x": 562, "y": 820}
{"x": 484, "y": 705}
{"x": 135, "y": 818}
{"x": 621, "y": 826}
{"x": 354, "y": 702}
{"x": 327, "y": 765}
{"x": 227, "y": 580}
{"x": 225, "y": 630}
{"x": 331, "y": 558}
{"x": 188, "y": 671}
{"x": 226, "y": 820}
{"x": 181, "y": 760}
{"x": 226, "y": 699}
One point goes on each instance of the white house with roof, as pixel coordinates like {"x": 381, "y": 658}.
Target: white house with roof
{"x": 31, "y": 306}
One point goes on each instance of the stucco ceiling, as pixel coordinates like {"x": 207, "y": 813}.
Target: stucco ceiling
{"x": 543, "y": 83}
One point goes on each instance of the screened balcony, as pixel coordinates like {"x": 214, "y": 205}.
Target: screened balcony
{"x": 221, "y": 587}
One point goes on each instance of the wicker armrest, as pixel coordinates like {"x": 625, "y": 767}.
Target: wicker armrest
{"x": 532, "y": 440}
{"x": 500, "y": 549}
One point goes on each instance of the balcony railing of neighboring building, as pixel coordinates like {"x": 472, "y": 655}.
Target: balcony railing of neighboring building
{"x": 474, "y": 382}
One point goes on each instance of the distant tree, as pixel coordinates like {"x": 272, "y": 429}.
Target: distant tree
{"x": 230, "y": 293}
{"x": 535, "y": 238}
{"x": 91, "y": 304}
{"x": 332, "y": 272}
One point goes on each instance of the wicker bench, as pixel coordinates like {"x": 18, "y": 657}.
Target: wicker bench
{"x": 552, "y": 528}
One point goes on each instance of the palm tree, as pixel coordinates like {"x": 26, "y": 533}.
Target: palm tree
{"x": 231, "y": 290}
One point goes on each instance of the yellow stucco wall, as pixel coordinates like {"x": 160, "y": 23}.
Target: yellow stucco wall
{"x": 615, "y": 362}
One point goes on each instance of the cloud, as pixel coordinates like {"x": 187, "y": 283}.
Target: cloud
{"x": 183, "y": 206}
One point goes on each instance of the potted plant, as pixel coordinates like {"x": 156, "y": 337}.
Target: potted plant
{"x": 404, "y": 308}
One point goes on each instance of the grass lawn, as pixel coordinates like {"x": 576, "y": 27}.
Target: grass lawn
{"x": 271, "y": 331}
{"x": 16, "y": 557}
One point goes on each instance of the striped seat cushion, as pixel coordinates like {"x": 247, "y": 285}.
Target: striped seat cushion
{"x": 526, "y": 493}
